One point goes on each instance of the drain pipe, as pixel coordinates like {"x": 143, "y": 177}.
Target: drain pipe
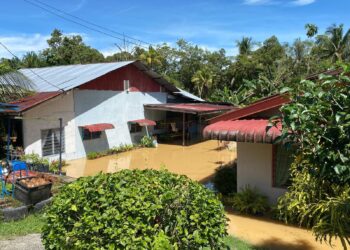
{"x": 60, "y": 159}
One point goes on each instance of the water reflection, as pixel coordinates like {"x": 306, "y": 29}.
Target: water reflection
{"x": 198, "y": 161}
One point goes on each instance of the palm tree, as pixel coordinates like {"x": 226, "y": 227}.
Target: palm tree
{"x": 334, "y": 44}
{"x": 202, "y": 79}
{"x": 13, "y": 84}
{"x": 151, "y": 57}
{"x": 245, "y": 45}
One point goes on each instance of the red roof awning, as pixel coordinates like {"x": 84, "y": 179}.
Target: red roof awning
{"x": 191, "y": 108}
{"x": 98, "y": 127}
{"x": 144, "y": 122}
{"x": 253, "y": 130}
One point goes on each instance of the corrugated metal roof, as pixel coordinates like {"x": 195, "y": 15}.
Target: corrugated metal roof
{"x": 255, "y": 131}
{"x": 33, "y": 100}
{"x": 254, "y": 108}
{"x": 67, "y": 77}
{"x": 98, "y": 127}
{"x": 189, "y": 95}
{"x": 192, "y": 108}
{"x": 144, "y": 122}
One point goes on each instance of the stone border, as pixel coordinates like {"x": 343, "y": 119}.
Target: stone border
{"x": 18, "y": 213}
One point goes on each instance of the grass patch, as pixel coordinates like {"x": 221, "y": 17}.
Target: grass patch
{"x": 31, "y": 224}
{"x": 234, "y": 243}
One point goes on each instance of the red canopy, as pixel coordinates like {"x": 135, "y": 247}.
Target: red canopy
{"x": 98, "y": 127}
{"x": 144, "y": 122}
{"x": 253, "y": 130}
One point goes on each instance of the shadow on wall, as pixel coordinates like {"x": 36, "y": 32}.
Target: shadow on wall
{"x": 95, "y": 145}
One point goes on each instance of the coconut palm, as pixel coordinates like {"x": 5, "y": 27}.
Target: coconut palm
{"x": 151, "y": 57}
{"x": 334, "y": 44}
{"x": 245, "y": 45}
{"x": 202, "y": 79}
{"x": 13, "y": 84}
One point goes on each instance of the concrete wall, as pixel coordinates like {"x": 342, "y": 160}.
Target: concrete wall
{"x": 254, "y": 168}
{"x": 49, "y": 112}
{"x": 115, "y": 107}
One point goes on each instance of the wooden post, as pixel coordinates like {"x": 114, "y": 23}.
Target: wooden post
{"x": 147, "y": 131}
{"x": 183, "y": 129}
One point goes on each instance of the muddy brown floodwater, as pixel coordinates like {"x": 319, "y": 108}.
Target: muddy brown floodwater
{"x": 197, "y": 161}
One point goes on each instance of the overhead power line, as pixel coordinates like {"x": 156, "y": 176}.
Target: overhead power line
{"x": 93, "y": 24}
{"x": 38, "y": 4}
{"x": 42, "y": 78}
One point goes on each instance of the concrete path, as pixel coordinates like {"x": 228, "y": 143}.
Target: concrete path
{"x": 27, "y": 242}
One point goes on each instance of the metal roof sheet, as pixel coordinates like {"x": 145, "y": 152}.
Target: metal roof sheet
{"x": 98, "y": 127}
{"x": 189, "y": 95}
{"x": 144, "y": 122}
{"x": 67, "y": 77}
{"x": 193, "y": 108}
{"x": 33, "y": 100}
{"x": 253, "y": 130}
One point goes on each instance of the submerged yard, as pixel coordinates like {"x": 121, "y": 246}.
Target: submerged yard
{"x": 197, "y": 161}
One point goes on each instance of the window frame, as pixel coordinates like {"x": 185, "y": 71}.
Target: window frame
{"x": 88, "y": 136}
{"x": 55, "y": 150}
{"x": 135, "y": 128}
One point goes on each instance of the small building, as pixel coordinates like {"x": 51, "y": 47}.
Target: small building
{"x": 260, "y": 162}
{"x": 101, "y": 106}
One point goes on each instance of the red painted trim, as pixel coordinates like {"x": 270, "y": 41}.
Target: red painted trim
{"x": 255, "y": 108}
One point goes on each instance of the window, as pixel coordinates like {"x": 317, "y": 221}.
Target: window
{"x": 282, "y": 160}
{"x": 126, "y": 85}
{"x": 135, "y": 128}
{"x": 87, "y": 135}
{"x": 50, "y": 141}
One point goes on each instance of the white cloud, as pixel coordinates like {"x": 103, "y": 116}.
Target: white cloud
{"x": 20, "y": 44}
{"x": 303, "y": 2}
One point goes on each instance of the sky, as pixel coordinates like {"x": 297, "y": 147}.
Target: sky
{"x": 211, "y": 24}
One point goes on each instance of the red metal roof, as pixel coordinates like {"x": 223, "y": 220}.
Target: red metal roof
{"x": 34, "y": 100}
{"x": 98, "y": 127}
{"x": 144, "y": 122}
{"x": 193, "y": 108}
{"x": 254, "y": 108}
{"x": 243, "y": 131}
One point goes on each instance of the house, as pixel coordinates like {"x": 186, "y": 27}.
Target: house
{"x": 260, "y": 162}
{"x": 100, "y": 105}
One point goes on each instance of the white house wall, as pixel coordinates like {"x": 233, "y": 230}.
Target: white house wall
{"x": 254, "y": 168}
{"x": 115, "y": 107}
{"x": 49, "y": 112}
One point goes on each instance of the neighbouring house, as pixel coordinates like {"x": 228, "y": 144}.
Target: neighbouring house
{"x": 101, "y": 106}
{"x": 260, "y": 162}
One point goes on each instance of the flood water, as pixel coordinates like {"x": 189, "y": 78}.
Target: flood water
{"x": 197, "y": 161}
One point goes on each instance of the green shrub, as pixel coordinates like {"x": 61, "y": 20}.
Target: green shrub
{"x": 135, "y": 209}
{"x": 147, "y": 142}
{"x": 250, "y": 201}
{"x": 225, "y": 178}
{"x": 93, "y": 155}
{"x": 54, "y": 165}
{"x": 34, "y": 159}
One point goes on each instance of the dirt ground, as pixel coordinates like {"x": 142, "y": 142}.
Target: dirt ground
{"x": 270, "y": 234}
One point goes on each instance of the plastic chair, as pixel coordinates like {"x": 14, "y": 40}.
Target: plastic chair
{"x": 17, "y": 166}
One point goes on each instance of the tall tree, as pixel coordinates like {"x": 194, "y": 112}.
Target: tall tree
{"x": 203, "y": 80}
{"x": 334, "y": 44}
{"x": 245, "y": 45}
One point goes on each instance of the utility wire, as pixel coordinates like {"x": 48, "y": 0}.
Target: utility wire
{"x": 42, "y": 78}
{"x": 83, "y": 25}
{"x": 91, "y": 23}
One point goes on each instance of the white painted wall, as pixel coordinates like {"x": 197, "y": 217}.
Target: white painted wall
{"x": 48, "y": 113}
{"x": 115, "y": 107}
{"x": 254, "y": 168}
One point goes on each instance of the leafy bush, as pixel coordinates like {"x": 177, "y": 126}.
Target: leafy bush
{"x": 135, "y": 209}
{"x": 93, "y": 155}
{"x": 54, "y": 165}
{"x": 225, "y": 178}
{"x": 147, "y": 142}
{"x": 34, "y": 159}
{"x": 250, "y": 201}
